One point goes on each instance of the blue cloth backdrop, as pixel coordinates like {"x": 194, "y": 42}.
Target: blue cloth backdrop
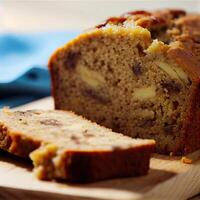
{"x": 24, "y": 75}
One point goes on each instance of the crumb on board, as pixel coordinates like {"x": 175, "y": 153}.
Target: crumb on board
{"x": 6, "y": 110}
{"x": 186, "y": 160}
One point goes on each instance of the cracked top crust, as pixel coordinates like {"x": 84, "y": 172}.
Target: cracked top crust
{"x": 176, "y": 28}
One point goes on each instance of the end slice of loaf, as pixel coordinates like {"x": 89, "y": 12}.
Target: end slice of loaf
{"x": 65, "y": 146}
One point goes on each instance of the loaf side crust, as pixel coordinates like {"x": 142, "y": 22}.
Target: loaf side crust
{"x": 90, "y": 166}
{"x": 16, "y": 143}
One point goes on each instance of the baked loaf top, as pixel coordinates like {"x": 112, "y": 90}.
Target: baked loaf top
{"x": 63, "y": 136}
{"x": 178, "y": 30}
{"x": 171, "y": 26}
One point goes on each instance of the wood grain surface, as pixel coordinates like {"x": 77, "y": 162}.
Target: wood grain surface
{"x": 168, "y": 178}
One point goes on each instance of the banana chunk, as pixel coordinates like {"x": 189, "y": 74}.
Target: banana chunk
{"x": 144, "y": 93}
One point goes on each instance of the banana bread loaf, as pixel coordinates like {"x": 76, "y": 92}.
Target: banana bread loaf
{"x": 138, "y": 74}
{"x": 65, "y": 146}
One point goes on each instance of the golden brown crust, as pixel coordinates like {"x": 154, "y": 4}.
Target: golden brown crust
{"x": 90, "y": 166}
{"x": 87, "y": 166}
{"x": 145, "y": 19}
{"x": 191, "y": 126}
{"x": 54, "y": 78}
{"x": 16, "y": 143}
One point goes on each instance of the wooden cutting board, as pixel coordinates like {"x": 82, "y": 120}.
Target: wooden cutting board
{"x": 168, "y": 178}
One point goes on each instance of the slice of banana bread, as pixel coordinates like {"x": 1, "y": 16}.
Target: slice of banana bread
{"x": 65, "y": 146}
{"x": 138, "y": 74}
